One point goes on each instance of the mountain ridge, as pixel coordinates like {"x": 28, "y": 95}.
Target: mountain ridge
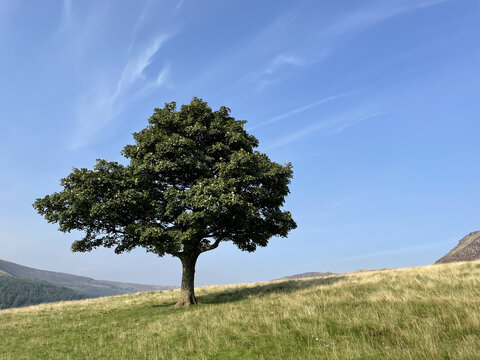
{"x": 305, "y": 275}
{"x": 467, "y": 249}
{"x": 84, "y": 285}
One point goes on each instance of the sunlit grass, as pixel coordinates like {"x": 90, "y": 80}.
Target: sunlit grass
{"x": 430, "y": 312}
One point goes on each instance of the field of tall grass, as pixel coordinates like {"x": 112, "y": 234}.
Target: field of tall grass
{"x": 430, "y": 312}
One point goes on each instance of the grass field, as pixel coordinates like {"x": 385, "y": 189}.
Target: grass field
{"x": 430, "y": 312}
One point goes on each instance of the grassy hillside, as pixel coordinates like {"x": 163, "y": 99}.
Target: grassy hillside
{"x": 81, "y": 284}
{"x": 430, "y": 312}
{"x": 3, "y": 273}
{"x": 22, "y": 292}
{"x": 306, "y": 275}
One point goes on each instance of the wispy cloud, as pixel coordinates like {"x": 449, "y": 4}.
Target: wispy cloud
{"x": 66, "y": 16}
{"x": 101, "y": 106}
{"x": 261, "y": 60}
{"x": 280, "y": 60}
{"x": 77, "y": 31}
{"x": 152, "y": 85}
{"x": 264, "y": 77}
{"x": 138, "y": 24}
{"x": 375, "y": 13}
{"x": 319, "y": 48}
{"x": 302, "y": 109}
{"x": 342, "y": 125}
{"x": 179, "y": 4}
{"x": 397, "y": 251}
{"x": 133, "y": 70}
{"x": 330, "y": 126}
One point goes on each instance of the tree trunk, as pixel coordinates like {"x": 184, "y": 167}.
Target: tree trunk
{"x": 187, "y": 291}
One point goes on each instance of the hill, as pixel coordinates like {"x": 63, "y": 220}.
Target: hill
{"x": 23, "y": 292}
{"x": 467, "y": 249}
{"x": 321, "y": 274}
{"x": 430, "y": 312}
{"x": 3, "y": 273}
{"x": 81, "y": 284}
{"x": 305, "y": 275}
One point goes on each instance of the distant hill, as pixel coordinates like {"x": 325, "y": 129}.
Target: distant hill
{"x": 468, "y": 249}
{"x": 81, "y": 284}
{"x": 15, "y": 292}
{"x": 306, "y": 275}
{"x": 3, "y": 273}
{"x": 323, "y": 274}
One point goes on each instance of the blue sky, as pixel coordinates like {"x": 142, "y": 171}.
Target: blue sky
{"x": 375, "y": 103}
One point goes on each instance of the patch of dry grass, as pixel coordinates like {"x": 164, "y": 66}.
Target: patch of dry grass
{"x": 430, "y": 312}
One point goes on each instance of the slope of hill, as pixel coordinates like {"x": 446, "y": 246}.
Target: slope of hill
{"x": 321, "y": 274}
{"x": 467, "y": 249}
{"x": 16, "y": 292}
{"x": 81, "y": 284}
{"x": 430, "y": 312}
{"x": 3, "y": 273}
{"x": 306, "y": 275}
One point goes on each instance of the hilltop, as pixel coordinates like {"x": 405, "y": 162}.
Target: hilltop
{"x": 81, "y": 284}
{"x": 430, "y": 312}
{"x": 467, "y": 249}
{"x": 306, "y": 275}
{"x": 321, "y": 274}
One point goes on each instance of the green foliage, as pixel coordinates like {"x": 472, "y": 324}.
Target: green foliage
{"x": 194, "y": 179}
{"x": 23, "y": 292}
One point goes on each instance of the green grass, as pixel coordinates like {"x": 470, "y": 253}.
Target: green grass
{"x": 430, "y": 312}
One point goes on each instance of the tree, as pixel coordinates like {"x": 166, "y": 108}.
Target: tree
{"x": 194, "y": 180}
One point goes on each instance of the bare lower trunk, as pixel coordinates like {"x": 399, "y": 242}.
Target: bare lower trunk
{"x": 187, "y": 292}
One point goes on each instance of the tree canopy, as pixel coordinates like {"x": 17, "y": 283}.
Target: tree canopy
{"x": 193, "y": 180}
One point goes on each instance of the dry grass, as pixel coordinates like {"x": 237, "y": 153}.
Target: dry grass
{"x": 430, "y": 312}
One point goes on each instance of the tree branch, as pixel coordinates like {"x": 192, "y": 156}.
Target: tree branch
{"x": 211, "y": 247}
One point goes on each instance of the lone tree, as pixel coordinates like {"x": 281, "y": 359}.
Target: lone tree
{"x": 193, "y": 181}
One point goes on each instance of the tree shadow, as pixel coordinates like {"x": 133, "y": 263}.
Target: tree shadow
{"x": 165, "y": 306}
{"x": 261, "y": 290}
{"x": 242, "y": 292}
